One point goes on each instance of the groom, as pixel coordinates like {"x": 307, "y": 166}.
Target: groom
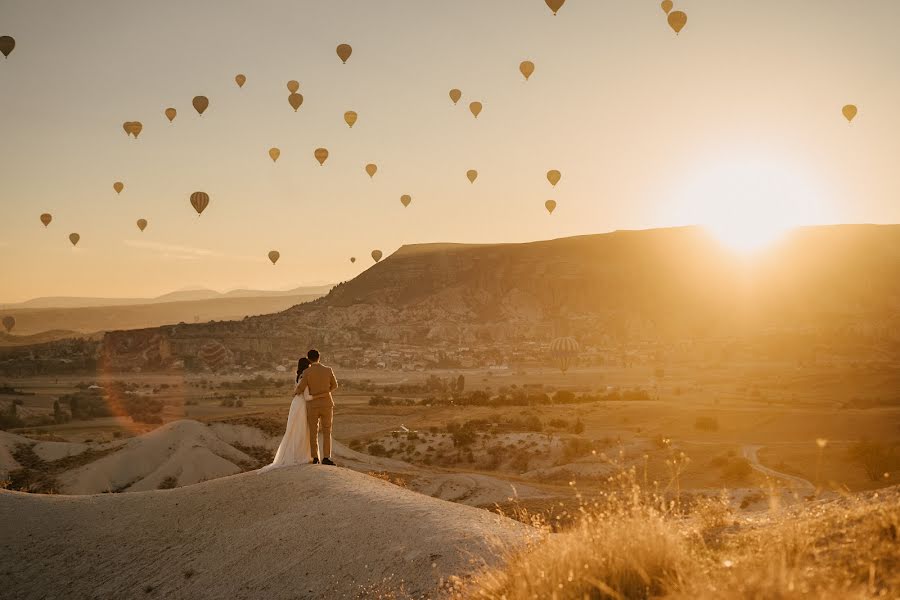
{"x": 320, "y": 407}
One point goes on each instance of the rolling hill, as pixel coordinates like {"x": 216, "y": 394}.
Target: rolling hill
{"x": 289, "y": 533}
{"x": 837, "y": 285}
{"x": 71, "y": 318}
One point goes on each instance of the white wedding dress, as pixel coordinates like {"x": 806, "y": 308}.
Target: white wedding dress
{"x": 294, "y": 448}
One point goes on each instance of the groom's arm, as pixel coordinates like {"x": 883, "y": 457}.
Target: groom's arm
{"x": 332, "y": 385}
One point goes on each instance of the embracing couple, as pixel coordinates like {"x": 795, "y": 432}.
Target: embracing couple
{"x": 311, "y": 409}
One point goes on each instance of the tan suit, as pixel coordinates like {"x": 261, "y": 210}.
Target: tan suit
{"x": 320, "y": 408}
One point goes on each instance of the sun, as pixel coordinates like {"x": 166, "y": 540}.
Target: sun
{"x": 749, "y": 203}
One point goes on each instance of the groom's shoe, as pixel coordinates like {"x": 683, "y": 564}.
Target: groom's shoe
{"x": 316, "y": 460}
{"x": 328, "y": 461}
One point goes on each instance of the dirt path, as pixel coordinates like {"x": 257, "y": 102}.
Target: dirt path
{"x": 750, "y": 452}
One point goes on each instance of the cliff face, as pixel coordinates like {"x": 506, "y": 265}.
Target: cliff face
{"x": 633, "y": 285}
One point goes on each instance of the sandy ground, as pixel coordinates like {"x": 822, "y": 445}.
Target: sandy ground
{"x": 298, "y": 532}
{"x": 189, "y": 452}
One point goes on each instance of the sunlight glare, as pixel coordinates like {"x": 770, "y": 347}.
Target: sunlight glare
{"x": 749, "y": 203}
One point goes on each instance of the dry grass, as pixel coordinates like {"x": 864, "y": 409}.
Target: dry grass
{"x": 632, "y": 544}
{"x": 394, "y": 478}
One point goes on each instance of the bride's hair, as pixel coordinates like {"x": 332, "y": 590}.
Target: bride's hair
{"x": 301, "y": 366}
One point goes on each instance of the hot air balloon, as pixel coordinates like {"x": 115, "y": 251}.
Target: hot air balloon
{"x": 274, "y": 255}
{"x": 74, "y": 238}
{"x": 526, "y": 68}
{"x": 201, "y": 103}
{"x": 353, "y": 259}
{"x": 321, "y": 155}
{"x": 550, "y": 205}
{"x": 677, "y": 20}
{"x": 472, "y": 174}
{"x": 118, "y": 186}
{"x": 553, "y": 176}
{"x": 142, "y": 224}
{"x": 371, "y": 169}
{"x": 455, "y": 95}
{"x": 344, "y": 51}
{"x": 199, "y": 200}
{"x": 475, "y": 107}
{"x": 135, "y": 128}
{"x": 350, "y": 118}
{"x": 274, "y": 153}
{"x": 46, "y": 218}
{"x": 9, "y": 322}
{"x": 293, "y": 86}
{"x": 376, "y": 255}
{"x": 564, "y": 351}
{"x": 170, "y": 114}
{"x": 295, "y": 100}
{"x": 849, "y": 111}
{"x": 667, "y": 6}
{"x": 405, "y": 199}
{"x": 6, "y": 45}
{"x": 127, "y": 127}
{"x": 240, "y": 79}
{"x": 555, "y": 5}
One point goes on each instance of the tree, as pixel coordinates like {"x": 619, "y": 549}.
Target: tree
{"x": 876, "y": 459}
{"x": 58, "y": 415}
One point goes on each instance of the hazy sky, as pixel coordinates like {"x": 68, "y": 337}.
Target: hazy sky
{"x": 736, "y": 122}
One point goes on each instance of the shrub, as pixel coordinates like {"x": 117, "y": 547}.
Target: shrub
{"x": 706, "y": 424}
{"x": 376, "y": 449}
{"x": 877, "y": 459}
{"x": 167, "y": 484}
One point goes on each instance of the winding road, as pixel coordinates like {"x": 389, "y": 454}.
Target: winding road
{"x": 750, "y": 452}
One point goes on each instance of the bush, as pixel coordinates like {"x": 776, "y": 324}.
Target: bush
{"x": 737, "y": 469}
{"x": 376, "y": 449}
{"x": 706, "y": 424}
{"x": 167, "y": 484}
{"x": 576, "y": 448}
{"x": 877, "y": 459}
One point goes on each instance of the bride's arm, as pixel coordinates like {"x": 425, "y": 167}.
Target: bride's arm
{"x": 302, "y": 386}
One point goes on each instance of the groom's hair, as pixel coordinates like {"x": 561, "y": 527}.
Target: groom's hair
{"x": 313, "y": 355}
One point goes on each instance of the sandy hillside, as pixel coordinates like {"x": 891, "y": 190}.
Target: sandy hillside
{"x": 48, "y": 451}
{"x": 187, "y": 452}
{"x": 298, "y": 532}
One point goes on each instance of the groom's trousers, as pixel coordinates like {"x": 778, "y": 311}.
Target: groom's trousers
{"x": 320, "y": 416}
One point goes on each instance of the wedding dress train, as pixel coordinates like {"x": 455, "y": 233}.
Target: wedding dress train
{"x": 294, "y": 448}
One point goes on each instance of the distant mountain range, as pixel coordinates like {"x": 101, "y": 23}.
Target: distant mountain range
{"x": 47, "y": 319}
{"x": 177, "y": 296}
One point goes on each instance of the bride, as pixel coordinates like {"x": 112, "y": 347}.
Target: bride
{"x": 294, "y": 448}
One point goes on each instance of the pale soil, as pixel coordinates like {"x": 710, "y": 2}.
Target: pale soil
{"x": 298, "y": 532}
{"x": 186, "y": 452}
